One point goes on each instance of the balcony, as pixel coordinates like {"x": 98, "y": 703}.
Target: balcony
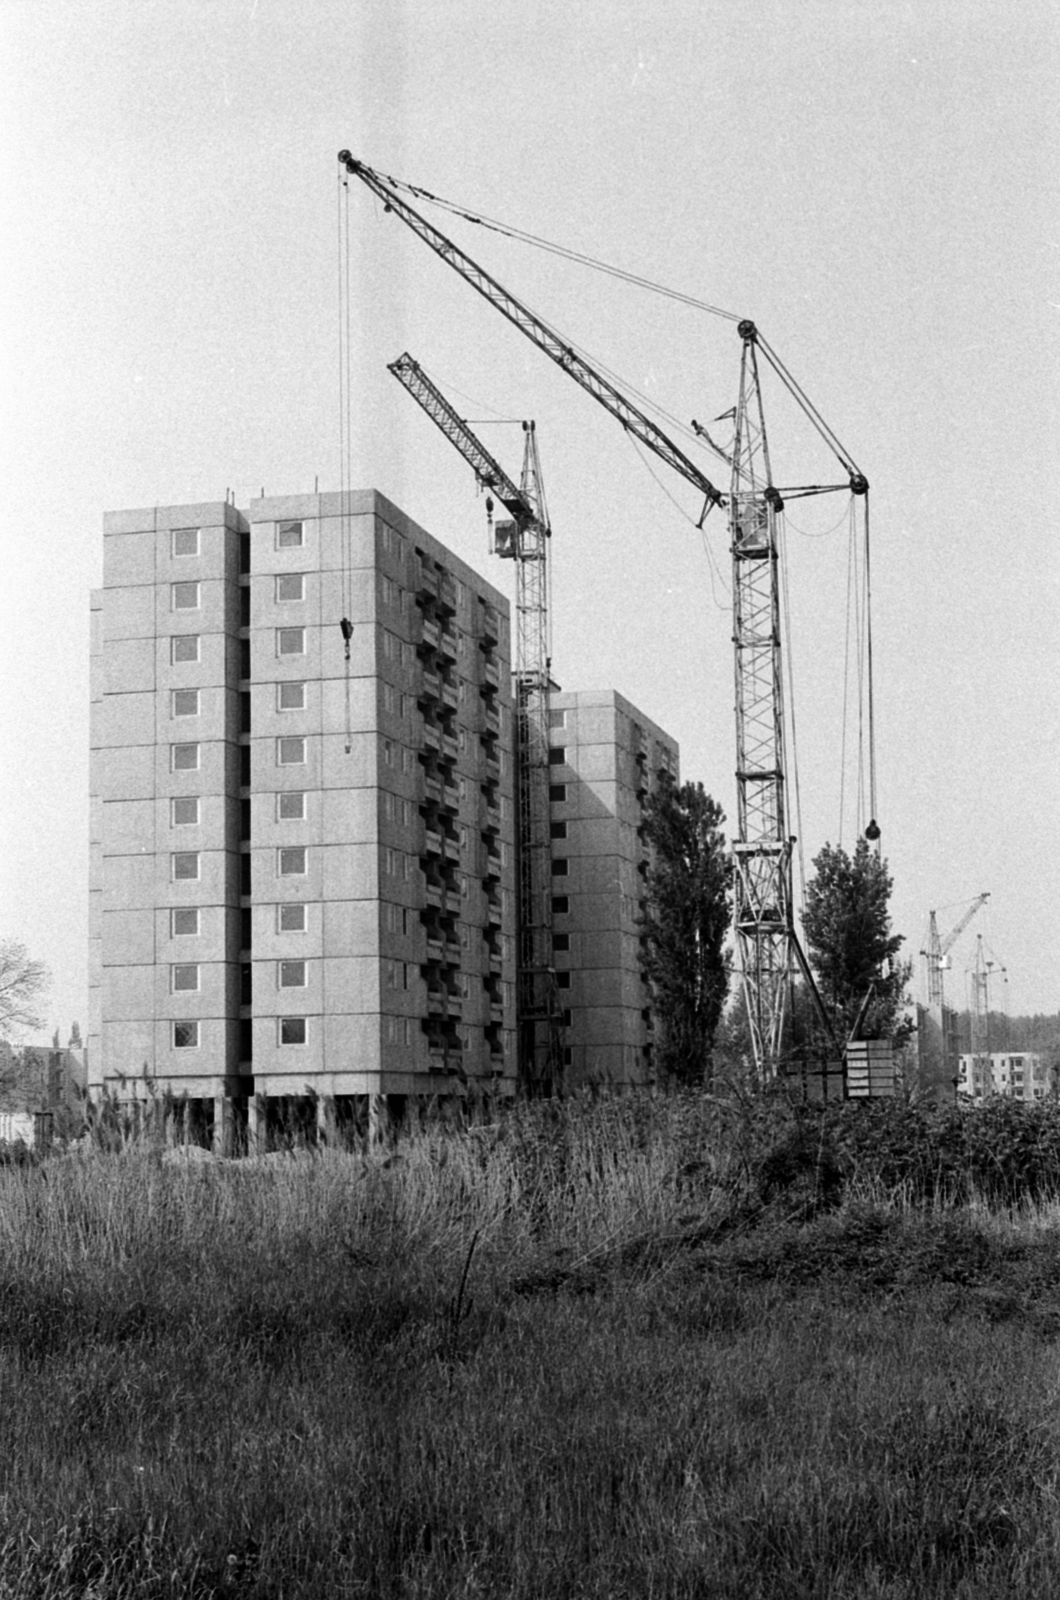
{"x": 432, "y": 686}
{"x": 435, "y": 950}
{"x": 427, "y": 581}
{"x": 432, "y": 842}
{"x": 432, "y": 787}
{"x": 446, "y": 645}
{"x": 430, "y": 632}
{"x": 432, "y": 736}
{"x": 450, "y": 747}
{"x": 450, "y": 694}
{"x": 446, "y": 593}
{"x": 452, "y": 849}
{"x": 453, "y": 902}
{"x": 491, "y": 671}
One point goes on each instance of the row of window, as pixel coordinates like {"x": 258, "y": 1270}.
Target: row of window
{"x": 290, "y": 752}
{"x": 186, "y": 647}
{"x": 187, "y": 594}
{"x": 185, "y": 541}
{"x": 184, "y": 920}
{"x": 184, "y": 808}
{"x": 290, "y": 696}
{"x": 289, "y": 1030}
{"x": 184, "y": 976}
{"x": 292, "y": 861}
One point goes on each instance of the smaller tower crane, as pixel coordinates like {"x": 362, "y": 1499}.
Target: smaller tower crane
{"x": 938, "y": 949}
{"x": 525, "y": 540}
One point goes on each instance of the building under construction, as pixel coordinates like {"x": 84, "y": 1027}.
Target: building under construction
{"x": 304, "y": 876}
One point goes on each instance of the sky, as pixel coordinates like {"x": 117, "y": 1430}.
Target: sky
{"x": 873, "y": 182}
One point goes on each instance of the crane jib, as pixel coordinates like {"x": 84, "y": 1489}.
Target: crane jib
{"x": 537, "y": 331}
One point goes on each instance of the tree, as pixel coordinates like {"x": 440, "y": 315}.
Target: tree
{"x": 849, "y": 941}
{"x": 686, "y": 924}
{"x": 22, "y": 984}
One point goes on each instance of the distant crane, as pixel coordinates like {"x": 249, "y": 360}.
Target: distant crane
{"x": 524, "y": 540}
{"x": 768, "y": 947}
{"x": 981, "y": 973}
{"x": 937, "y": 949}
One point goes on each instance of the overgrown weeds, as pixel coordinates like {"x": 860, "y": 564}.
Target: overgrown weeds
{"x": 630, "y": 1347}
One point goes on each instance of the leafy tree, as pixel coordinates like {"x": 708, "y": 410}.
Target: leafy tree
{"x": 849, "y": 941}
{"x": 686, "y": 924}
{"x": 22, "y": 984}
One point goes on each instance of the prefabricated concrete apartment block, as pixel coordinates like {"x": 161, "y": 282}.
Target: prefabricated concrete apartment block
{"x": 303, "y": 872}
{"x": 606, "y": 758}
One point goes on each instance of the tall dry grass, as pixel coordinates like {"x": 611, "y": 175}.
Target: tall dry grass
{"x": 624, "y": 1348}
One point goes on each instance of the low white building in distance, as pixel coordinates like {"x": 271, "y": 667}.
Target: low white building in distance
{"x": 1018, "y": 1075}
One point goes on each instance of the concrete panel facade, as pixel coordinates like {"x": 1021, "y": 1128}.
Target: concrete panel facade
{"x": 299, "y": 873}
{"x": 606, "y": 758}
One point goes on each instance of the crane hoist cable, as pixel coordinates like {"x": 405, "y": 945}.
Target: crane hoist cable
{"x": 345, "y": 444}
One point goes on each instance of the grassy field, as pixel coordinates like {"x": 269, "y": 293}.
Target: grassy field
{"x": 629, "y": 1348}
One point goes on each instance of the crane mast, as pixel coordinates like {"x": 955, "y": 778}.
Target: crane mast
{"x": 763, "y": 915}
{"x": 767, "y": 944}
{"x": 524, "y": 540}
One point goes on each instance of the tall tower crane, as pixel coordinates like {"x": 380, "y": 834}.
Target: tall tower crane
{"x": 768, "y": 948}
{"x": 937, "y": 949}
{"x": 524, "y": 540}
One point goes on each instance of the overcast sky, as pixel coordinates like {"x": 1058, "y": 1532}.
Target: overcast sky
{"x": 873, "y": 182}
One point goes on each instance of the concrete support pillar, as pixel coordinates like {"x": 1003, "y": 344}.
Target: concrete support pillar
{"x": 222, "y": 1125}
{"x": 256, "y": 1109}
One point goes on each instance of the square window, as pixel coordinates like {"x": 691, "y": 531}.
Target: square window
{"x": 558, "y": 830}
{"x": 290, "y": 752}
{"x": 292, "y": 1030}
{"x": 185, "y": 977}
{"x": 561, "y": 941}
{"x": 557, "y": 719}
{"x": 290, "y": 641}
{"x": 290, "y": 586}
{"x": 560, "y": 867}
{"x": 185, "y": 596}
{"x": 184, "y": 647}
{"x": 562, "y": 980}
{"x": 556, "y": 756}
{"x": 183, "y": 920}
{"x": 290, "y": 805}
{"x": 292, "y": 974}
{"x": 557, "y": 793}
{"x": 290, "y": 536}
{"x": 185, "y": 541}
{"x": 185, "y": 865}
{"x": 290, "y": 696}
{"x": 560, "y": 905}
{"x": 184, "y": 811}
{"x": 185, "y": 702}
{"x": 292, "y": 861}
{"x": 184, "y": 757}
{"x": 292, "y": 919}
{"x": 185, "y": 1035}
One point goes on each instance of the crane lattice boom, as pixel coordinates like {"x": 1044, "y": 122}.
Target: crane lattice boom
{"x": 767, "y": 944}
{"x": 526, "y": 541}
